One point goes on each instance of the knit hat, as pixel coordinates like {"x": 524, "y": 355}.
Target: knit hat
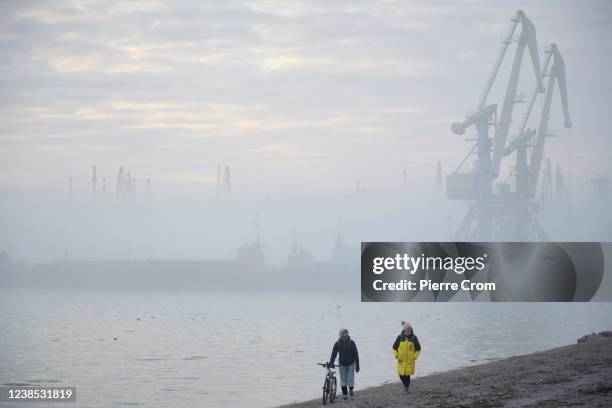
{"x": 342, "y": 332}
{"x": 406, "y": 325}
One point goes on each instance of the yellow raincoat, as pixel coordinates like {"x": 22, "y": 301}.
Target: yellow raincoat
{"x": 406, "y": 350}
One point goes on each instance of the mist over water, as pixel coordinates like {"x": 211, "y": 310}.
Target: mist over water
{"x": 194, "y": 225}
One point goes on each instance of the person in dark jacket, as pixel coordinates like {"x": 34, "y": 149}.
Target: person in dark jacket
{"x": 406, "y": 350}
{"x": 348, "y": 361}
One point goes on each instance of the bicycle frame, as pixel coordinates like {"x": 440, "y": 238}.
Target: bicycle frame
{"x": 330, "y": 384}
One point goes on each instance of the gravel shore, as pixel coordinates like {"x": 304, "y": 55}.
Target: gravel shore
{"x": 575, "y": 375}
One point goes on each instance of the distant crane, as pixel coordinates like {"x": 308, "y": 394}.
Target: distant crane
{"x": 127, "y": 185}
{"x": 555, "y": 75}
{"x": 507, "y": 214}
{"x": 560, "y": 188}
{"x": 546, "y": 192}
{"x": 527, "y": 39}
{"x": 119, "y": 189}
{"x": 94, "y": 181}
{"x": 218, "y": 185}
{"x": 528, "y": 173}
{"x": 224, "y": 183}
{"x": 148, "y": 189}
{"x": 339, "y": 237}
{"x": 298, "y": 256}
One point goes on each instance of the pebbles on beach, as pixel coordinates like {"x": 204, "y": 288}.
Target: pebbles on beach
{"x": 579, "y": 374}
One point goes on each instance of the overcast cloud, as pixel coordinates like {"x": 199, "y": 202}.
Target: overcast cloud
{"x": 286, "y": 92}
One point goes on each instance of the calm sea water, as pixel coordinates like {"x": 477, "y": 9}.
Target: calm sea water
{"x": 258, "y": 350}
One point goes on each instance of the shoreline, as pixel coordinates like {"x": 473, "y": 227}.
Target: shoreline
{"x": 577, "y": 374}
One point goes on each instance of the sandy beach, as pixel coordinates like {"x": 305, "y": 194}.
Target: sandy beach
{"x": 574, "y": 375}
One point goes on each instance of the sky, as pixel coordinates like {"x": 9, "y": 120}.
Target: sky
{"x": 287, "y": 93}
{"x": 302, "y": 99}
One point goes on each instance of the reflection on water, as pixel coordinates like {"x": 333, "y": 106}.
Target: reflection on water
{"x": 184, "y": 350}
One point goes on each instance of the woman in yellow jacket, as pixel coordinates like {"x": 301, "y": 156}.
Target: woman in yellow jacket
{"x": 406, "y": 350}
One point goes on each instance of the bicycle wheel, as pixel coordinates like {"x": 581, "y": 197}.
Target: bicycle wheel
{"x": 325, "y": 391}
{"x": 332, "y": 391}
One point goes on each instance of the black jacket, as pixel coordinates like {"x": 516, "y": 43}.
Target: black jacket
{"x": 348, "y": 353}
{"x": 414, "y": 339}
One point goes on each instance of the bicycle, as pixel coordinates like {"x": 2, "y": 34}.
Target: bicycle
{"x": 330, "y": 384}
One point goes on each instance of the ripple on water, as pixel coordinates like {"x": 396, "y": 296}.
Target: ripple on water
{"x": 195, "y": 358}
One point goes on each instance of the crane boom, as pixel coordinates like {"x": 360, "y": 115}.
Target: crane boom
{"x": 533, "y": 97}
{"x": 562, "y": 82}
{"x": 527, "y": 39}
{"x": 557, "y": 73}
{"x": 500, "y": 57}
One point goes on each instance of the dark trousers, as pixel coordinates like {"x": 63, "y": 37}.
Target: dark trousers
{"x": 405, "y": 380}
{"x": 345, "y": 391}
